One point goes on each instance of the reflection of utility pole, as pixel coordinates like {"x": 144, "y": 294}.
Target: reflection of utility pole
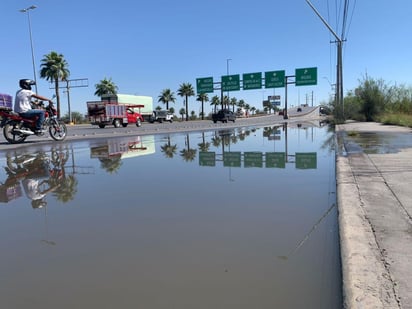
{"x": 307, "y": 235}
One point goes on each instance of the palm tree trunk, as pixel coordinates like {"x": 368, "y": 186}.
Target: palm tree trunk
{"x": 187, "y": 112}
{"x": 56, "y": 86}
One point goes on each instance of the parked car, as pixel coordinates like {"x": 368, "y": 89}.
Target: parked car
{"x": 224, "y": 115}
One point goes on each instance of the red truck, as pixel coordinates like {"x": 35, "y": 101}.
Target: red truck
{"x": 104, "y": 113}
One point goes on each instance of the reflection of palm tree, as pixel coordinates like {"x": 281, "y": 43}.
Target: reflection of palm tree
{"x": 204, "y": 146}
{"x": 67, "y": 189}
{"x": 188, "y": 153}
{"x": 112, "y": 164}
{"x": 216, "y": 140}
{"x": 168, "y": 149}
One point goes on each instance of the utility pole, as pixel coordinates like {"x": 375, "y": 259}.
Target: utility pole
{"x": 339, "y": 67}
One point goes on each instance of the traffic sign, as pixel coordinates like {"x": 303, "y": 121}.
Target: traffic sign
{"x": 306, "y": 77}
{"x": 207, "y": 158}
{"x": 204, "y": 85}
{"x": 275, "y": 79}
{"x": 231, "y": 82}
{"x": 252, "y": 81}
{"x": 275, "y": 159}
{"x": 306, "y": 160}
{"x": 232, "y": 159}
{"x": 253, "y": 159}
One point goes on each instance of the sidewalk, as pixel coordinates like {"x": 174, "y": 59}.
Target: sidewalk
{"x": 374, "y": 176}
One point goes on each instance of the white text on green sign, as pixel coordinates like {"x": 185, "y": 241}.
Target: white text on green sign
{"x": 204, "y": 85}
{"x": 306, "y": 77}
{"x": 275, "y": 79}
{"x": 231, "y": 82}
{"x": 252, "y": 81}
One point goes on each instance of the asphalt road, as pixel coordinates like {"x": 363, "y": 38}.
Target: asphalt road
{"x": 87, "y": 131}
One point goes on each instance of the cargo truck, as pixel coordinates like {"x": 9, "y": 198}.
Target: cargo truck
{"x": 102, "y": 113}
{"x": 145, "y": 103}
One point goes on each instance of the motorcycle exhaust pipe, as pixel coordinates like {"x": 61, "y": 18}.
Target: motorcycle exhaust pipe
{"x": 26, "y": 132}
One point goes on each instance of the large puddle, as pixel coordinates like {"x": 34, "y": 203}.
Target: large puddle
{"x": 241, "y": 218}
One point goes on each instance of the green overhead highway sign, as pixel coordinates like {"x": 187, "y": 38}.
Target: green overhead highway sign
{"x": 207, "y": 158}
{"x": 204, "y": 85}
{"x": 275, "y": 79}
{"x": 230, "y": 82}
{"x": 232, "y": 159}
{"x": 275, "y": 159}
{"x": 306, "y": 160}
{"x": 306, "y": 77}
{"x": 252, "y": 81}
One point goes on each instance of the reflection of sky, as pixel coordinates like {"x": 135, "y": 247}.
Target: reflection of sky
{"x": 169, "y": 226}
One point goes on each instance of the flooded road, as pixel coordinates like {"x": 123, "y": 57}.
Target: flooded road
{"x": 236, "y": 218}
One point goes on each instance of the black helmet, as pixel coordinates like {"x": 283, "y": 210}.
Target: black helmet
{"x": 26, "y": 83}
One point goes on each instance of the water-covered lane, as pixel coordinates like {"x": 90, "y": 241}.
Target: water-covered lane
{"x": 233, "y": 218}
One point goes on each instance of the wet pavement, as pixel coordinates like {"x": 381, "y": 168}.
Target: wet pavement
{"x": 374, "y": 173}
{"x": 240, "y": 217}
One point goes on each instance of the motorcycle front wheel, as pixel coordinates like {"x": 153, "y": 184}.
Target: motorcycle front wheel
{"x": 10, "y": 132}
{"x": 58, "y": 130}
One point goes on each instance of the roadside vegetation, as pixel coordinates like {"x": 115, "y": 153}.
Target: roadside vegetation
{"x": 376, "y": 100}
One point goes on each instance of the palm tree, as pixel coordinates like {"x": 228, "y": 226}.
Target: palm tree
{"x": 106, "y": 86}
{"x": 202, "y": 97}
{"x": 182, "y": 112}
{"x": 54, "y": 68}
{"x": 186, "y": 90}
{"x": 233, "y": 102}
{"x": 215, "y": 102}
{"x": 225, "y": 102}
{"x": 253, "y": 109}
{"x": 167, "y": 96}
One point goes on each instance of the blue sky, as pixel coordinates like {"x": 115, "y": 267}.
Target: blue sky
{"x": 147, "y": 46}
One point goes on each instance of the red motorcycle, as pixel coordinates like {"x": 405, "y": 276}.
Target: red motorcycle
{"x": 17, "y": 128}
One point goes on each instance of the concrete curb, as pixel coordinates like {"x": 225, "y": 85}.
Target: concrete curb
{"x": 366, "y": 280}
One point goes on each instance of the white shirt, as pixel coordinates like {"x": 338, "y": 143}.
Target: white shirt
{"x": 22, "y": 101}
{"x": 31, "y": 187}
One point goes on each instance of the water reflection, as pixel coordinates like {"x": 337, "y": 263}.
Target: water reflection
{"x": 217, "y": 219}
{"x": 37, "y": 175}
{"x": 111, "y": 153}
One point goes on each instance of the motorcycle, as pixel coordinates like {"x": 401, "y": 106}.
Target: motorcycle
{"x": 17, "y": 128}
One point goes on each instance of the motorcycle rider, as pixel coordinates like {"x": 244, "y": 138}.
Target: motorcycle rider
{"x": 22, "y": 103}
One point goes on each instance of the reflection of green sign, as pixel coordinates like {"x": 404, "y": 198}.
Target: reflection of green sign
{"x": 275, "y": 159}
{"x": 252, "y": 81}
{"x": 253, "y": 159}
{"x": 275, "y": 79}
{"x": 231, "y": 159}
{"x": 306, "y": 76}
{"x": 306, "y": 160}
{"x": 207, "y": 158}
{"x": 204, "y": 85}
{"x": 231, "y": 82}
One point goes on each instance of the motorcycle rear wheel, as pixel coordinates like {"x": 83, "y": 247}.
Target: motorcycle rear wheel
{"x": 11, "y": 135}
{"x": 58, "y": 130}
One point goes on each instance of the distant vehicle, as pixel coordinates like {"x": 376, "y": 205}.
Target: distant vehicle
{"x": 299, "y": 109}
{"x": 102, "y": 113}
{"x": 144, "y": 103}
{"x": 161, "y": 116}
{"x": 224, "y": 115}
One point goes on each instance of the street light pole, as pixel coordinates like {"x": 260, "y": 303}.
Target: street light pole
{"x": 227, "y": 72}
{"x": 27, "y": 10}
